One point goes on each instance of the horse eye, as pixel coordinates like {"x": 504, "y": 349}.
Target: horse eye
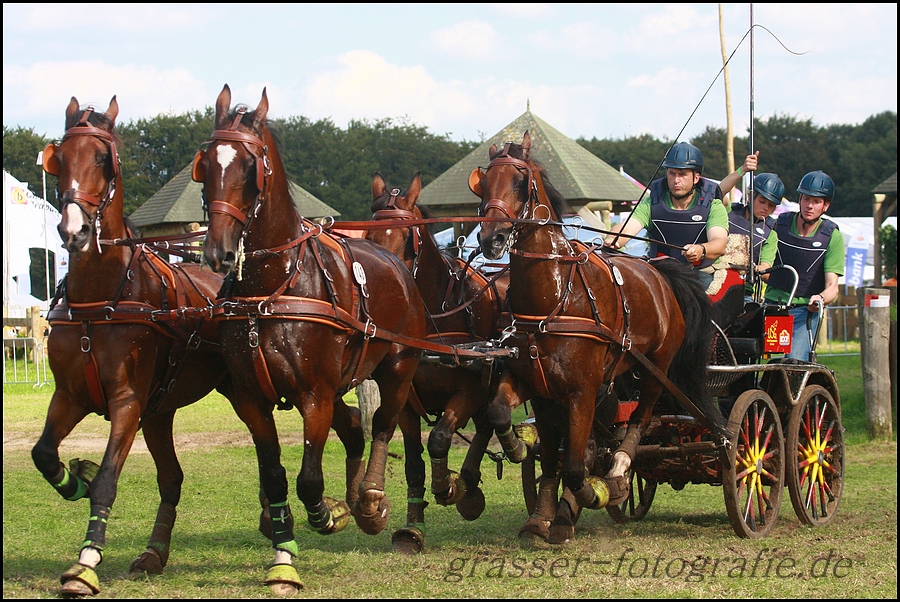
{"x": 102, "y": 158}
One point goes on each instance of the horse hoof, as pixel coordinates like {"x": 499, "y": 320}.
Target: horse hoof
{"x": 372, "y": 522}
{"x": 535, "y": 530}
{"x": 561, "y": 534}
{"x": 454, "y": 494}
{"x": 619, "y": 488}
{"x": 472, "y": 505}
{"x": 283, "y": 580}
{"x": 147, "y": 563}
{"x": 340, "y": 515}
{"x": 408, "y": 540}
{"x": 80, "y": 580}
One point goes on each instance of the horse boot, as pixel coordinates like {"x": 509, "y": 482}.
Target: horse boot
{"x": 446, "y": 485}
{"x": 356, "y": 471}
{"x": 411, "y": 538}
{"x": 619, "y": 487}
{"x": 372, "y": 510}
{"x": 514, "y": 447}
{"x": 537, "y": 527}
{"x": 562, "y": 529}
{"x": 155, "y": 558}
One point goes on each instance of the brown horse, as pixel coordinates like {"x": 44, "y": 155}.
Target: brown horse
{"x": 301, "y": 324}
{"x": 572, "y": 309}
{"x": 131, "y": 341}
{"x": 464, "y": 306}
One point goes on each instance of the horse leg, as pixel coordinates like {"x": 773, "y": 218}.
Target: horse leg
{"x": 446, "y": 485}
{"x": 394, "y": 378}
{"x": 325, "y": 515}
{"x": 578, "y": 493}
{"x": 515, "y": 440}
{"x": 618, "y": 479}
{"x": 281, "y": 577}
{"x": 81, "y": 579}
{"x": 169, "y": 477}
{"x": 348, "y": 426}
{"x": 411, "y": 538}
{"x": 472, "y": 505}
{"x": 62, "y": 416}
{"x": 537, "y": 526}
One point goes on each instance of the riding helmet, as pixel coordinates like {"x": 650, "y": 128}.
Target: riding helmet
{"x": 684, "y": 156}
{"x": 817, "y": 183}
{"x": 770, "y": 186}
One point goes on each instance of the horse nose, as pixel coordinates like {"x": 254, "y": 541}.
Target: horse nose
{"x": 492, "y": 246}
{"x": 74, "y": 241}
{"x": 221, "y": 263}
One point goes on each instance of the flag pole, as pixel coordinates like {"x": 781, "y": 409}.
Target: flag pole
{"x": 40, "y": 161}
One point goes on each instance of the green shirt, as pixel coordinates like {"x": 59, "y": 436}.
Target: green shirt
{"x": 833, "y": 264}
{"x": 718, "y": 214}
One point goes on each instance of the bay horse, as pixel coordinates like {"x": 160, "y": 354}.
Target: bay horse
{"x": 301, "y": 324}
{"x": 572, "y": 309}
{"x": 132, "y": 340}
{"x": 464, "y": 306}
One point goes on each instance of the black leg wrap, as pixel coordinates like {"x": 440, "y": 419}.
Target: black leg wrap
{"x": 96, "y": 531}
{"x": 282, "y": 523}
{"x": 318, "y": 515}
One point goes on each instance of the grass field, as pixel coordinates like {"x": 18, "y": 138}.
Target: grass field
{"x": 684, "y": 548}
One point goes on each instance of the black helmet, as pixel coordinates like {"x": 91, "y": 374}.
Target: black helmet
{"x": 770, "y": 186}
{"x": 817, "y": 183}
{"x": 684, "y": 156}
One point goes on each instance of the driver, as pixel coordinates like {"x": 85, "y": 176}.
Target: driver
{"x": 814, "y": 246}
{"x": 684, "y": 210}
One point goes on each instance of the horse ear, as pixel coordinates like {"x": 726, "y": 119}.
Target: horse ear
{"x": 71, "y": 110}
{"x": 198, "y": 170}
{"x": 223, "y": 103}
{"x": 492, "y": 152}
{"x": 113, "y": 111}
{"x": 263, "y": 108}
{"x": 526, "y": 145}
{"x": 378, "y": 186}
{"x": 49, "y": 160}
{"x": 475, "y": 181}
{"x": 415, "y": 187}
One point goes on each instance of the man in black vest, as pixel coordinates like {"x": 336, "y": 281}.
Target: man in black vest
{"x": 757, "y": 229}
{"x": 684, "y": 212}
{"x": 814, "y": 247}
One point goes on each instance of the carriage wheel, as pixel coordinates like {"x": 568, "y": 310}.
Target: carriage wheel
{"x": 529, "y": 477}
{"x": 638, "y": 503}
{"x": 753, "y": 468}
{"x": 815, "y": 457}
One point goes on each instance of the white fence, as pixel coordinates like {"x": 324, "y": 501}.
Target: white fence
{"x": 25, "y": 361}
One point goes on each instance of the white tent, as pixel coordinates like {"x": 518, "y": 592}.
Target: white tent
{"x": 30, "y": 243}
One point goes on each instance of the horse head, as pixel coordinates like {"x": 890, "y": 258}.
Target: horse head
{"x": 394, "y": 204}
{"x": 235, "y": 171}
{"x": 86, "y": 164}
{"x": 506, "y": 188}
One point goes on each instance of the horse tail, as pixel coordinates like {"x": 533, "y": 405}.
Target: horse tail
{"x": 688, "y": 368}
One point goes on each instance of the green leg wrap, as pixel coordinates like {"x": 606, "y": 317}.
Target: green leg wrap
{"x": 70, "y": 486}
{"x": 282, "y": 528}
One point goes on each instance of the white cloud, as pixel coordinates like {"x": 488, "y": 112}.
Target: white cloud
{"x": 467, "y": 40}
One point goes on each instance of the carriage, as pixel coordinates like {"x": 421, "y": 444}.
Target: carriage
{"x": 785, "y": 423}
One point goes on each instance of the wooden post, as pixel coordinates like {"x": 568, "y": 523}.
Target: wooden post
{"x": 369, "y": 397}
{"x": 874, "y": 342}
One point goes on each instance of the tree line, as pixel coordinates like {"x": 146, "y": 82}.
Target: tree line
{"x": 336, "y": 164}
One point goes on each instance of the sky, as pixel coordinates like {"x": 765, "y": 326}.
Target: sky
{"x": 609, "y": 71}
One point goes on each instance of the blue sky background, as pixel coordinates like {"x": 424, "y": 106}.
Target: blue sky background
{"x": 466, "y": 70}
